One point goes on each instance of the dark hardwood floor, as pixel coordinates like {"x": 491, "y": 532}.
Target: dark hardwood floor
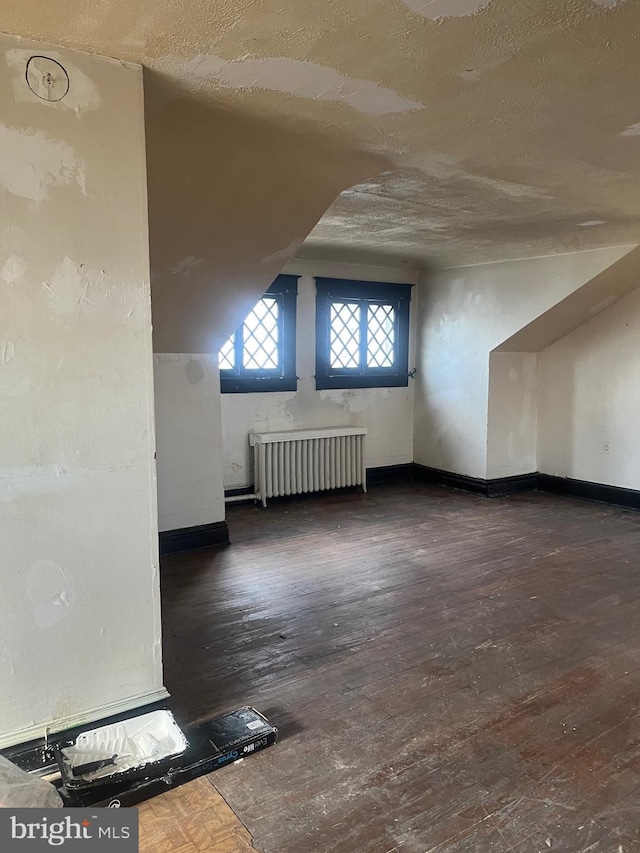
{"x": 449, "y": 673}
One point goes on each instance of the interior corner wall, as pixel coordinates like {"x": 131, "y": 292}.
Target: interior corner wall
{"x": 464, "y": 314}
{"x": 588, "y": 398}
{"x": 512, "y": 415}
{"x": 189, "y": 440}
{"x": 386, "y": 412}
{"x": 80, "y": 606}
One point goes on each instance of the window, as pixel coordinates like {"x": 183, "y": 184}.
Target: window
{"x": 362, "y": 334}
{"x": 261, "y": 353}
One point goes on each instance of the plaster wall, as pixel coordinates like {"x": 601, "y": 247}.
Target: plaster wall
{"x": 79, "y": 610}
{"x": 588, "y": 399}
{"x": 464, "y": 314}
{"x": 387, "y": 412}
{"x": 189, "y": 440}
{"x": 512, "y": 414}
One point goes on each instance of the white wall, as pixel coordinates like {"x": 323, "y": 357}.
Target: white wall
{"x": 386, "y": 412}
{"x": 189, "y": 440}
{"x": 513, "y": 414}
{"x": 589, "y": 395}
{"x": 463, "y": 314}
{"x": 79, "y": 610}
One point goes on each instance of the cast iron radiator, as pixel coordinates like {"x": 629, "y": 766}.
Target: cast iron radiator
{"x": 308, "y": 460}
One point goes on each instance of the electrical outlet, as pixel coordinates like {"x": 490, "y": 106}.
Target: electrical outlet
{"x": 606, "y": 448}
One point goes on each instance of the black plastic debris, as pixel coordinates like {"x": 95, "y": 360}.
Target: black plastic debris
{"x": 209, "y": 746}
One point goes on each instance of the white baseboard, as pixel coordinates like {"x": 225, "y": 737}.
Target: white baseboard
{"x": 90, "y": 716}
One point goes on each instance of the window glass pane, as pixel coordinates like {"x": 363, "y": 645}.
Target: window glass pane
{"x": 261, "y": 336}
{"x": 227, "y": 355}
{"x": 344, "y": 334}
{"x": 381, "y": 338}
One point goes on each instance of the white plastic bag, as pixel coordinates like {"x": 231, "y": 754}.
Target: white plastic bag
{"x": 19, "y": 790}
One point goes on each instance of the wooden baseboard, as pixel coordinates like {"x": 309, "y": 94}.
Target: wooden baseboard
{"x": 498, "y": 487}
{"x": 239, "y": 490}
{"x": 615, "y": 495}
{"x": 502, "y": 486}
{"x": 439, "y": 477}
{"x": 190, "y": 538}
{"x": 390, "y": 474}
{"x": 33, "y": 737}
{"x": 375, "y": 477}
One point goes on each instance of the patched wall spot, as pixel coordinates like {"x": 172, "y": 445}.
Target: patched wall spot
{"x": 296, "y": 77}
{"x": 50, "y": 81}
{"x": 604, "y": 303}
{"x": 33, "y": 162}
{"x": 436, "y": 9}
{"x": 632, "y": 130}
{"x": 13, "y": 269}
{"x": 194, "y": 371}
{"x": 186, "y": 265}
{"x": 51, "y": 591}
{"x": 283, "y": 254}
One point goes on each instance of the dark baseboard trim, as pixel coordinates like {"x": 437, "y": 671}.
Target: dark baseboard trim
{"x": 438, "y": 477}
{"x": 501, "y": 486}
{"x": 615, "y": 495}
{"x": 390, "y": 474}
{"x": 375, "y": 477}
{"x": 498, "y": 487}
{"x": 241, "y": 490}
{"x": 190, "y": 538}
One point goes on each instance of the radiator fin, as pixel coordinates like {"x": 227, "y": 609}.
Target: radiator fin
{"x": 306, "y": 461}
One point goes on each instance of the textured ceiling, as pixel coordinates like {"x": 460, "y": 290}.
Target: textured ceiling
{"x": 494, "y": 129}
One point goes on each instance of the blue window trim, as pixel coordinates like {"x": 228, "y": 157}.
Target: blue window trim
{"x": 330, "y": 290}
{"x": 240, "y": 380}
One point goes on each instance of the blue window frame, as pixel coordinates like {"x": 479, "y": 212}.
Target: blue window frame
{"x": 362, "y": 334}
{"x": 261, "y": 354}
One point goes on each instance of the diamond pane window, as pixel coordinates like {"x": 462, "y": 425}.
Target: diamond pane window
{"x": 261, "y": 336}
{"x": 261, "y": 353}
{"x": 362, "y": 334}
{"x": 345, "y": 334}
{"x": 381, "y": 335}
{"x": 227, "y": 355}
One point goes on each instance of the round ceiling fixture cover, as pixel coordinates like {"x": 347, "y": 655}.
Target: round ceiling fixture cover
{"x": 47, "y": 78}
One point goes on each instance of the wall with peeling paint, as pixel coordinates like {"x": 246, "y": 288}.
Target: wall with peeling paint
{"x": 464, "y": 314}
{"x": 461, "y": 130}
{"x": 79, "y": 610}
{"x": 588, "y": 396}
{"x": 188, "y": 440}
{"x": 387, "y": 412}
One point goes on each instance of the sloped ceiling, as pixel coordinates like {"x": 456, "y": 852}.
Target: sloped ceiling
{"x": 585, "y": 302}
{"x": 455, "y": 130}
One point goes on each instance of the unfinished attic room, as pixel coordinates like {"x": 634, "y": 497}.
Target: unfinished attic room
{"x": 320, "y": 470}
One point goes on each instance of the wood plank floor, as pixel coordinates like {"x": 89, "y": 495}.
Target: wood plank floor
{"x": 449, "y": 673}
